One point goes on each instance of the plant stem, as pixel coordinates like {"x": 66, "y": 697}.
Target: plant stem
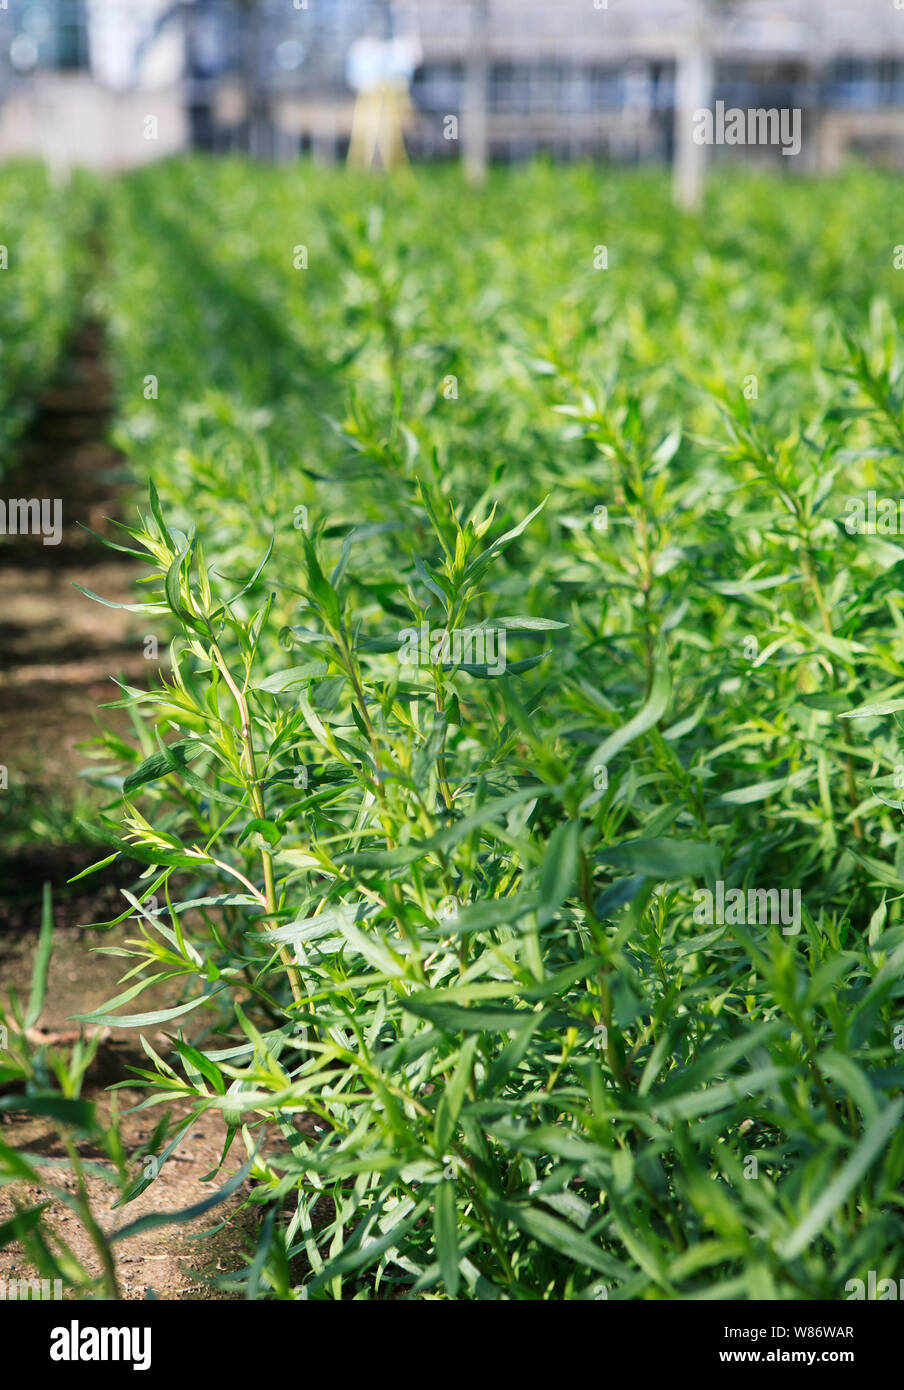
{"x": 257, "y": 801}
{"x": 96, "y": 1235}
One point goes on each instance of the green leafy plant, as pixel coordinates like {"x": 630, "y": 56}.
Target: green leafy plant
{"x": 434, "y": 928}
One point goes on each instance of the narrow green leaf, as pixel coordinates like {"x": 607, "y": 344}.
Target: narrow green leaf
{"x": 874, "y": 1140}
{"x": 42, "y": 961}
{"x": 445, "y": 1226}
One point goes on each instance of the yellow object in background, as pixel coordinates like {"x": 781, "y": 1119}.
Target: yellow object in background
{"x": 380, "y": 71}
{"x": 378, "y": 126}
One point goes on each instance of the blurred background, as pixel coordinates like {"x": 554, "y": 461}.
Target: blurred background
{"x": 113, "y": 83}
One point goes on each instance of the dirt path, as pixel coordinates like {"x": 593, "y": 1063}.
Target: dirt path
{"x": 169, "y": 1262}
{"x": 58, "y": 650}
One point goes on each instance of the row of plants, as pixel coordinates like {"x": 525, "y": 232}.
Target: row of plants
{"x": 439, "y": 926}
{"x": 44, "y": 252}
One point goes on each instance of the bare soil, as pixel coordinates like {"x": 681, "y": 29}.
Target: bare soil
{"x": 58, "y": 650}
{"x": 170, "y": 1262}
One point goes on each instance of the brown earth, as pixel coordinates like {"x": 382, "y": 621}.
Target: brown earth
{"x": 59, "y": 650}
{"x": 171, "y": 1262}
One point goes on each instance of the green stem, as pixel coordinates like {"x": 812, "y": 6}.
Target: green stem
{"x": 95, "y": 1234}
{"x": 257, "y": 801}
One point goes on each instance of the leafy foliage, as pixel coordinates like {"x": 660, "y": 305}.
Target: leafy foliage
{"x": 43, "y": 235}
{"x": 450, "y": 913}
